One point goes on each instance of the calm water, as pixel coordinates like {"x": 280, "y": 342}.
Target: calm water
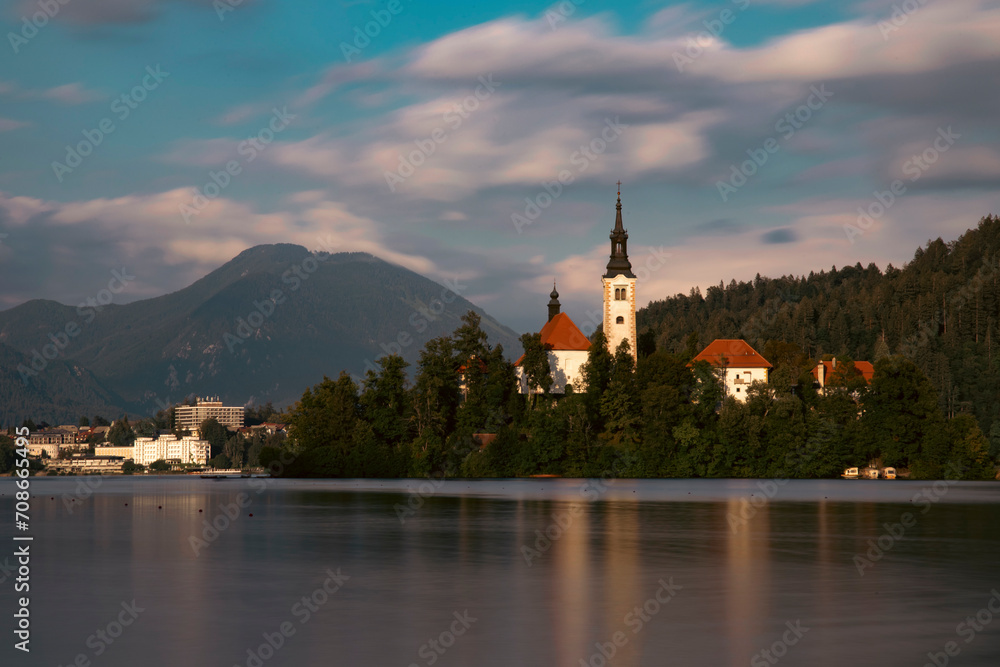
{"x": 731, "y": 578}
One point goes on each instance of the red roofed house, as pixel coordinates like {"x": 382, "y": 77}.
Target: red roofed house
{"x": 739, "y": 365}
{"x": 825, "y": 369}
{"x": 567, "y": 348}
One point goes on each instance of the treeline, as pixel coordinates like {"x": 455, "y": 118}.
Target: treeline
{"x": 659, "y": 418}
{"x": 942, "y": 310}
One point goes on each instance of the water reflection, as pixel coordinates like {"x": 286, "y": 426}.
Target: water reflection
{"x": 463, "y": 550}
{"x": 748, "y": 576}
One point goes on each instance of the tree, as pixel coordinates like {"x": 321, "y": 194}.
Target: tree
{"x": 596, "y": 375}
{"x": 120, "y": 434}
{"x": 130, "y": 467}
{"x": 83, "y": 422}
{"x": 99, "y": 421}
{"x": 901, "y": 415}
{"x": 619, "y": 405}
{"x": 216, "y": 434}
{"x": 326, "y": 415}
{"x": 145, "y": 428}
{"x": 386, "y": 403}
{"x": 220, "y": 462}
{"x": 535, "y": 364}
{"x": 7, "y": 454}
{"x": 646, "y": 345}
{"x": 436, "y": 391}
{"x": 159, "y": 465}
{"x": 255, "y": 415}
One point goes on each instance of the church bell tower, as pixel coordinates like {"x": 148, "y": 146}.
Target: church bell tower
{"x": 619, "y": 289}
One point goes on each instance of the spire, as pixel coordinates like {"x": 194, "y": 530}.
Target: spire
{"x": 553, "y": 302}
{"x": 619, "y": 245}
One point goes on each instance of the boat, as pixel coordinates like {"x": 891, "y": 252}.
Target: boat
{"x": 851, "y": 473}
{"x": 888, "y": 473}
{"x": 869, "y": 473}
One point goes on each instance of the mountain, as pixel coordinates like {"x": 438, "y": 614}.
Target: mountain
{"x": 942, "y": 309}
{"x": 262, "y": 327}
{"x": 58, "y": 395}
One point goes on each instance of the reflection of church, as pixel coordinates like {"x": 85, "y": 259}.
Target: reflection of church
{"x": 566, "y": 344}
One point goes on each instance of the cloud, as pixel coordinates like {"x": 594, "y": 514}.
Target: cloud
{"x": 776, "y": 236}
{"x": 63, "y": 248}
{"x": 100, "y": 12}
{"x": 820, "y": 243}
{"x": 7, "y": 124}
{"x": 556, "y": 88}
{"x": 69, "y": 93}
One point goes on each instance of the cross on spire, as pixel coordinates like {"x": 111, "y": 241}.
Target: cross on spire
{"x": 619, "y": 188}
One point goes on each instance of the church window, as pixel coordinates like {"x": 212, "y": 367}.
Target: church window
{"x": 620, "y": 320}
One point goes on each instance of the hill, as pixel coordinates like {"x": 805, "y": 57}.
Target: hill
{"x": 58, "y": 396}
{"x": 262, "y": 327}
{"x": 941, "y": 309}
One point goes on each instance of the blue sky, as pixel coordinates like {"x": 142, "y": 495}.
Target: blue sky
{"x": 491, "y": 104}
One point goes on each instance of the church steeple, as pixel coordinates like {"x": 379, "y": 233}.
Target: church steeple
{"x": 619, "y": 289}
{"x": 554, "y": 304}
{"x": 619, "y": 264}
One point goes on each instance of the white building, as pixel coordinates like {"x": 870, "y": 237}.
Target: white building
{"x": 567, "y": 351}
{"x": 124, "y": 452}
{"x": 190, "y": 417}
{"x": 619, "y": 290}
{"x": 166, "y": 447}
{"x": 50, "y": 442}
{"x": 738, "y": 365}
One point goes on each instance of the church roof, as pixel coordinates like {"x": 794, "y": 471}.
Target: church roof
{"x": 560, "y": 333}
{"x": 735, "y": 353}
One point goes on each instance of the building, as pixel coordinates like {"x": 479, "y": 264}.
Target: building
{"x": 567, "y": 350}
{"x": 174, "y": 450}
{"x": 619, "y": 289}
{"x": 50, "y": 442}
{"x": 190, "y": 417}
{"x": 166, "y": 447}
{"x": 83, "y": 434}
{"x": 825, "y": 370}
{"x": 567, "y": 346}
{"x": 87, "y": 465}
{"x": 738, "y": 364}
{"x": 122, "y": 452}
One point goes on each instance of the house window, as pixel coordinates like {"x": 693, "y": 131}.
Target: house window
{"x": 737, "y": 390}
{"x": 620, "y": 320}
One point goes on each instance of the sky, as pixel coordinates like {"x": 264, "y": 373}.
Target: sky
{"x": 481, "y": 143}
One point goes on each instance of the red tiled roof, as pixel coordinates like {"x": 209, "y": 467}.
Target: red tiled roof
{"x": 560, "y": 333}
{"x": 865, "y": 367}
{"x": 735, "y": 353}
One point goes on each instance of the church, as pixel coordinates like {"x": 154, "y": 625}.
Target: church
{"x": 567, "y": 346}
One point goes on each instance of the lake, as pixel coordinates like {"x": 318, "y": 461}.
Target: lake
{"x": 555, "y": 573}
